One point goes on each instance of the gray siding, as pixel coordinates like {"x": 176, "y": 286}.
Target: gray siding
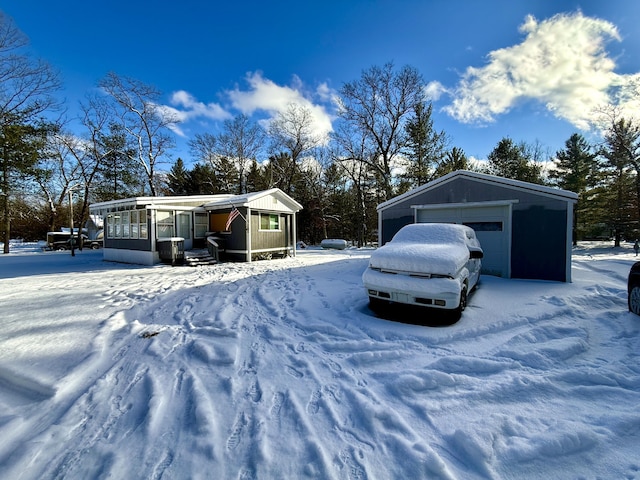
{"x": 266, "y": 239}
{"x": 539, "y": 223}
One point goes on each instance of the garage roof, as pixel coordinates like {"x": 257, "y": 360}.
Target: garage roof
{"x": 483, "y": 177}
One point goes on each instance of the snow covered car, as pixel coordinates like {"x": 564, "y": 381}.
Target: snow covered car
{"x": 633, "y": 289}
{"x": 426, "y": 264}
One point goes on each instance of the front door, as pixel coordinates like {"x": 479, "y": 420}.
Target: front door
{"x": 183, "y": 229}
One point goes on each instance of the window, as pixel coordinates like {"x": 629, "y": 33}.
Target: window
{"x": 111, "y": 231}
{"x": 143, "y": 225}
{"x": 164, "y": 221}
{"x": 127, "y": 224}
{"x": 269, "y": 221}
{"x": 124, "y": 219}
{"x": 485, "y": 226}
{"x": 116, "y": 223}
{"x": 201, "y": 225}
{"x": 134, "y": 224}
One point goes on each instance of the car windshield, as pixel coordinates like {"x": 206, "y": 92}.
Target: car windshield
{"x": 429, "y": 233}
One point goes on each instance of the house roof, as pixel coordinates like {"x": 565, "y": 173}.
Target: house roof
{"x": 211, "y": 202}
{"x": 484, "y": 178}
{"x": 254, "y": 200}
{"x": 181, "y": 200}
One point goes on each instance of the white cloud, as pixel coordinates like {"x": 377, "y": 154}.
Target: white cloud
{"x": 184, "y": 107}
{"x": 262, "y": 96}
{"x": 434, "y": 90}
{"x": 187, "y": 107}
{"x": 562, "y": 63}
{"x": 265, "y": 95}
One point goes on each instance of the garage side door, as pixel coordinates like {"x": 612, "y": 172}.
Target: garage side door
{"x": 492, "y": 227}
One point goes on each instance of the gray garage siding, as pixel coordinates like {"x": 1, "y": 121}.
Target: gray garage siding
{"x": 540, "y": 218}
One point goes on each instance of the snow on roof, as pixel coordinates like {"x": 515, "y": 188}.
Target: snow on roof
{"x": 207, "y": 201}
{"x": 247, "y": 199}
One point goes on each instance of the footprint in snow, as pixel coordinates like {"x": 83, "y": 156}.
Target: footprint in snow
{"x": 236, "y": 434}
{"x": 314, "y": 403}
{"x": 278, "y": 400}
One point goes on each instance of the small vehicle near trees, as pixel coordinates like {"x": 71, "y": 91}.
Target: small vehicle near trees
{"x": 425, "y": 264}
{"x": 63, "y": 241}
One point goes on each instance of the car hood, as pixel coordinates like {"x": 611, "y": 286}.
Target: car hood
{"x": 421, "y": 258}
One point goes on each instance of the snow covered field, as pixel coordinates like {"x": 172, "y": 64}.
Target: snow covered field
{"x": 277, "y": 369}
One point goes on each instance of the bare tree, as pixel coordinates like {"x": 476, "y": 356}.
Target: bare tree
{"x": 232, "y": 152}
{"x": 353, "y": 155}
{"x": 378, "y": 105}
{"x": 147, "y": 124}
{"x": 292, "y": 132}
{"x": 241, "y": 141}
{"x": 27, "y": 86}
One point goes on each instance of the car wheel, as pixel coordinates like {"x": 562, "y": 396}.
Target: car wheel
{"x": 60, "y": 249}
{"x": 463, "y": 300}
{"x": 634, "y": 299}
{"x": 94, "y": 246}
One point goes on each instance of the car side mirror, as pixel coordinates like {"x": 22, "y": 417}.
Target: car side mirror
{"x": 476, "y": 254}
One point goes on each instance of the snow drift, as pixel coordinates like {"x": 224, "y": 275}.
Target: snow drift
{"x": 277, "y": 369}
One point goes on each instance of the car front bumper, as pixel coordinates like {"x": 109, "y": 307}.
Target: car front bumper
{"x": 432, "y": 292}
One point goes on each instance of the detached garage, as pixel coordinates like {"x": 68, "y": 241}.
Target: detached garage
{"x": 524, "y": 228}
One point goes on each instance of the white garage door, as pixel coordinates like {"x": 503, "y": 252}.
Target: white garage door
{"x": 491, "y": 223}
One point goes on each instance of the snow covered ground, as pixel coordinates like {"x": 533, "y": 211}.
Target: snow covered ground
{"x": 277, "y": 369}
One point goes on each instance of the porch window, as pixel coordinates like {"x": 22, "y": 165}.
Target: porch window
{"x": 124, "y": 219}
{"x": 134, "y": 224}
{"x": 142, "y": 232}
{"x": 269, "y": 221}
{"x": 127, "y": 224}
{"x": 164, "y": 221}
{"x": 111, "y": 231}
{"x": 116, "y": 224}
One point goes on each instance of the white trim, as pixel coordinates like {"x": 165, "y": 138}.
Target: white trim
{"x": 275, "y": 249}
{"x": 442, "y": 206}
{"x": 141, "y": 257}
{"x": 248, "y": 233}
{"x": 245, "y": 252}
{"x": 292, "y": 226}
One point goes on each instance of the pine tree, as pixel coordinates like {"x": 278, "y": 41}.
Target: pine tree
{"x": 622, "y": 160}
{"x": 425, "y": 147}
{"x": 509, "y": 160}
{"x": 178, "y": 179}
{"x": 119, "y": 175}
{"x": 455, "y": 159}
{"x": 574, "y": 171}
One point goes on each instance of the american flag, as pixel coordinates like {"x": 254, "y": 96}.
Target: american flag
{"x": 232, "y": 215}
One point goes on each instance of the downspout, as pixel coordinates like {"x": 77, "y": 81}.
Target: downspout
{"x": 569, "y": 242}
{"x": 380, "y": 228}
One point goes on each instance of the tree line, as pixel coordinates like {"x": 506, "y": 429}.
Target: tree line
{"x": 383, "y": 143}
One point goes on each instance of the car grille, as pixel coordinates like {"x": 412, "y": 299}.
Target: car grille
{"x": 410, "y": 274}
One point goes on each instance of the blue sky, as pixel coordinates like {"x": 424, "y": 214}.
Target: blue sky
{"x": 535, "y": 71}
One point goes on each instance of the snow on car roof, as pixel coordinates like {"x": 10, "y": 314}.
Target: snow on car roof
{"x": 432, "y": 233}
